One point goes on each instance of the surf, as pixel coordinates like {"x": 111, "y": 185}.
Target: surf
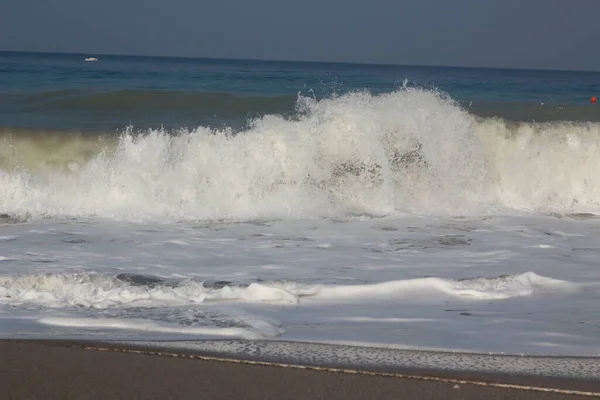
{"x": 409, "y": 151}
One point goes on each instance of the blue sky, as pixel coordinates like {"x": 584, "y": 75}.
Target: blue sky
{"x": 548, "y": 34}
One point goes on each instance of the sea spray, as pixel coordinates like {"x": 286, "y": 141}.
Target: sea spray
{"x": 412, "y": 150}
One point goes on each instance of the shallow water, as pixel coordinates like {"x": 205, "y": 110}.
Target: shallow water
{"x": 502, "y": 284}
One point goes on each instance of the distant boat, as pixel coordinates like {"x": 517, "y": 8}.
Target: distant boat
{"x": 91, "y": 59}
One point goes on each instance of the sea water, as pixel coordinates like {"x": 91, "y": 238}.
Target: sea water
{"x": 384, "y": 206}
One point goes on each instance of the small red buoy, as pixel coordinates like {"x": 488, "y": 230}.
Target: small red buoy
{"x": 594, "y": 99}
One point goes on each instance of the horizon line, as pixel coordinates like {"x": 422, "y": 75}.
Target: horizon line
{"x": 300, "y": 62}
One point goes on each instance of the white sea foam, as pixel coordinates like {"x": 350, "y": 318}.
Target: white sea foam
{"x": 413, "y": 282}
{"x": 505, "y": 287}
{"x": 151, "y": 326}
{"x": 95, "y": 291}
{"x": 407, "y": 151}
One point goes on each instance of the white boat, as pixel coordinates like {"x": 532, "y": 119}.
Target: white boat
{"x": 91, "y": 59}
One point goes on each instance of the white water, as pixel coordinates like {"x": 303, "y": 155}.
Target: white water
{"x": 516, "y": 285}
{"x": 407, "y": 151}
{"x": 349, "y": 233}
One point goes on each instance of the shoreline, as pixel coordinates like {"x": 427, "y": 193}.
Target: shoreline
{"x": 547, "y": 371}
{"x": 82, "y": 370}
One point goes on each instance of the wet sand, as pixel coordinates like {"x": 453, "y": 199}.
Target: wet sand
{"x": 72, "y": 370}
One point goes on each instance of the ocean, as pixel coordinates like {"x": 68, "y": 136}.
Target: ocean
{"x": 147, "y": 199}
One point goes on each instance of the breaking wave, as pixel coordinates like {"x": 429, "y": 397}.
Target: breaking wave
{"x": 186, "y": 307}
{"x": 130, "y": 290}
{"x": 411, "y": 151}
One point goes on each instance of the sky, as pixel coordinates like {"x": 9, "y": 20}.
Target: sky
{"x": 545, "y": 34}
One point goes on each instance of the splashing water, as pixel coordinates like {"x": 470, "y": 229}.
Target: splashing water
{"x": 358, "y": 154}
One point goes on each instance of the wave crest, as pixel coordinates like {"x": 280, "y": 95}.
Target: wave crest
{"x": 408, "y": 151}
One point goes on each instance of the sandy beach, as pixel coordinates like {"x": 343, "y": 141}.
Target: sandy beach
{"x": 72, "y": 370}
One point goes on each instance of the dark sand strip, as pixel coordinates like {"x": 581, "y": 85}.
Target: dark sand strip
{"x": 38, "y": 370}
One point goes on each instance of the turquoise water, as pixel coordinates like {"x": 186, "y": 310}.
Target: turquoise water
{"x": 62, "y": 91}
